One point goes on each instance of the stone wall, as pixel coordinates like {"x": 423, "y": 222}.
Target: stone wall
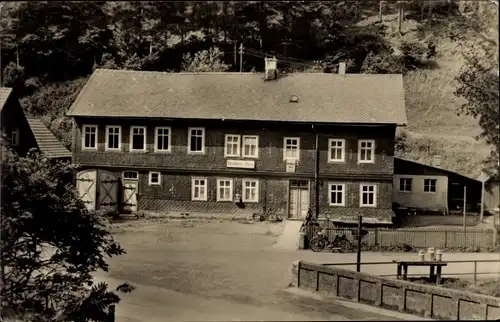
{"x": 403, "y": 296}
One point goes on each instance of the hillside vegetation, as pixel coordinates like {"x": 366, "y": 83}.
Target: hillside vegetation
{"x": 50, "y": 48}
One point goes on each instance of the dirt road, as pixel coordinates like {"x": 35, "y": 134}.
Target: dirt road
{"x": 224, "y": 271}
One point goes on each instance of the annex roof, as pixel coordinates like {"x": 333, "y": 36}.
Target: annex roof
{"x": 4, "y": 95}
{"x": 48, "y": 144}
{"x": 445, "y": 172}
{"x": 318, "y": 97}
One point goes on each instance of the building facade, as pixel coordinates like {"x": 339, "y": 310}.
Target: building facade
{"x": 239, "y": 144}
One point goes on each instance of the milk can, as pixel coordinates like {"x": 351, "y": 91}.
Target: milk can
{"x": 431, "y": 255}
{"x": 439, "y": 255}
{"x": 421, "y": 255}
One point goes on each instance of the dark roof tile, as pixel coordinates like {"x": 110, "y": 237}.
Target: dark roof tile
{"x": 4, "y": 95}
{"x": 322, "y": 98}
{"x": 48, "y": 144}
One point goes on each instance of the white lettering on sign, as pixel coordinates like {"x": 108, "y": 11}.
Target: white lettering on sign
{"x": 242, "y": 164}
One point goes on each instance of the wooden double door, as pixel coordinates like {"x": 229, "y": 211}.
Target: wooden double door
{"x": 299, "y": 199}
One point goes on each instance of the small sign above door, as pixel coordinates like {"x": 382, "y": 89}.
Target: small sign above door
{"x": 242, "y": 164}
{"x": 290, "y": 165}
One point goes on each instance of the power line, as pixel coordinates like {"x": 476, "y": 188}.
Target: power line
{"x": 285, "y": 61}
{"x": 292, "y": 64}
{"x": 280, "y": 57}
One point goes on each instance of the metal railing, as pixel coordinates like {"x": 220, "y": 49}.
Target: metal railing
{"x": 474, "y": 273}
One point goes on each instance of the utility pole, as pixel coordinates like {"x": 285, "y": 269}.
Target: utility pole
{"x": 465, "y": 206}
{"x": 380, "y": 10}
{"x": 481, "y": 215}
{"x": 400, "y": 15}
{"x": 358, "y": 257}
{"x": 235, "y": 54}
{"x": 241, "y": 57}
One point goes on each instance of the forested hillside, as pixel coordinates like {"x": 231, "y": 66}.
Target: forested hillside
{"x": 50, "y": 48}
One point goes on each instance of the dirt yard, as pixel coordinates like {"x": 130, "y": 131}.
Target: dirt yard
{"x": 222, "y": 270}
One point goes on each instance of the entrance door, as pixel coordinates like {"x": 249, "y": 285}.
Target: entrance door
{"x": 130, "y": 185}
{"x": 299, "y": 199}
{"x": 86, "y": 182}
{"x": 108, "y": 189}
{"x": 130, "y": 196}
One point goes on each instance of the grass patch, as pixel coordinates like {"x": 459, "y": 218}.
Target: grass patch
{"x": 460, "y": 154}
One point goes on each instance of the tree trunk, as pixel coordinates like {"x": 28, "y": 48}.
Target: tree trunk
{"x": 224, "y": 14}
{"x": 17, "y": 55}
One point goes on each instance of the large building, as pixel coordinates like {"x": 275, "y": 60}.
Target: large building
{"x": 26, "y": 133}
{"x": 239, "y": 142}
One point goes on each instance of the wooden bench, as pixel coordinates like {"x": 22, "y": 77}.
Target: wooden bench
{"x": 435, "y": 268}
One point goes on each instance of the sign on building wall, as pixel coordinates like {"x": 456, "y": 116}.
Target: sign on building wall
{"x": 290, "y": 166}
{"x": 241, "y": 164}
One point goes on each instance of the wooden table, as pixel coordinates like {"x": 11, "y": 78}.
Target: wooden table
{"x": 403, "y": 268}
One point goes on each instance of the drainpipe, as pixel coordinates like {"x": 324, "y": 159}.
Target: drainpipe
{"x": 316, "y": 173}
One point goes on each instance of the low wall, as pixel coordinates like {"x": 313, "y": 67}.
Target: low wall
{"x": 403, "y": 296}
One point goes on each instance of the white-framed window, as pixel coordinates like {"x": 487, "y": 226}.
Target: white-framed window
{"x": 224, "y": 189}
{"x": 154, "y": 178}
{"x": 366, "y": 151}
{"x": 113, "y": 138}
{"x": 250, "y": 190}
{"x": 250, "y": 146}
{"x": 137, "y": 138}
{"x": 130, "y": 175}
{"x": 367, "y": 195}
{"x": 291, "y": 148}
{"x": 163, "y": 139}
{"x": 14, "y": 137}
{"x": 196, "y": 140}
{"x": 430, "y": 185}
{"x": 199, "y": 189}
{"x": 405, "y": 184}
{"x": 232, "y": 145}
{"x": 336, "y": 194}
{"x": 336, "y": 150}
{"x": 89, "y": 137}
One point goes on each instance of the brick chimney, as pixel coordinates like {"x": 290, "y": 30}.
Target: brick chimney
{"x": 342, "y": 68}
{"x": 271, "y": 72}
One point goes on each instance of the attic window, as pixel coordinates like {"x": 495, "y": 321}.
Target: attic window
{"x": 294, "y": 99}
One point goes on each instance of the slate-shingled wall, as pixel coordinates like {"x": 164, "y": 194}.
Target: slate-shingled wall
{"x": 175, "y": 195}
{"x": 178, "y": 167}
{"x": 270, "y": 154}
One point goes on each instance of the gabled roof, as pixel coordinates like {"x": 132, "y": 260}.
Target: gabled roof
{"x": 444, "y": 171}
{"x": 322, "y": 98}
{"x": 48, "y": 144}
{"x": 4, "y": 96}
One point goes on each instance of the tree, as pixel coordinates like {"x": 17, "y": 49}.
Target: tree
{"x": 478, "y": 86}
{"x": 50, "y": 244}
{"x": 205, "y": 61}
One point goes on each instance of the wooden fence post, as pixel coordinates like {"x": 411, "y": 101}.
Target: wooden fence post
{"x": 376, "y": 236}
{"x": 445, "y": 239}
{"x": 475, "y": 273}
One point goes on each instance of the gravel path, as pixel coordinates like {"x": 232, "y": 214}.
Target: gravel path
{"x": 227, "y": 271}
